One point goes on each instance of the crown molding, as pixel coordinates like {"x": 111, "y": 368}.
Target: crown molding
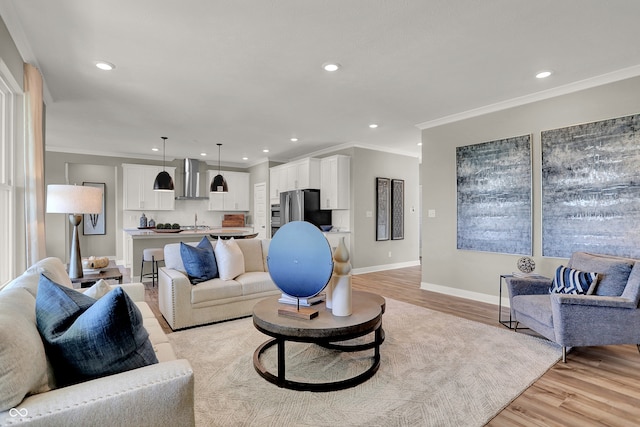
{"x": 80, "y": 151}
{"x": 13, "y": 24}
{"x": 348, "y": 145}
{"x": 591, "y": 82}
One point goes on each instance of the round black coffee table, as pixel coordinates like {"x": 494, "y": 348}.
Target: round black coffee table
{"x": 325, "y": 330}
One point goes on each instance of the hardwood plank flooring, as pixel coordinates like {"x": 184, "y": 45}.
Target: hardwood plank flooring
{"x": 598, "y": 386}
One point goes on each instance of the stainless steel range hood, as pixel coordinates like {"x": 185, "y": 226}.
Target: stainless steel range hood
{"x": 191, "y": 181}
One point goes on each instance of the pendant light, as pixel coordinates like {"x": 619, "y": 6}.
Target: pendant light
{"x": 218, "y": 184}
{"x": 163, "y": 181}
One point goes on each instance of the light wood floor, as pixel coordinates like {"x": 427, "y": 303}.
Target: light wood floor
{"x": 598, "y": 386}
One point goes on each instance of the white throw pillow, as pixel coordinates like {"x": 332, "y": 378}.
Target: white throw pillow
{"x": 229, "y": 258}
{"x": 98, "y": 289}
{"x": 23, "y": 363}
{"x": 51, "y": 267}
{"x": 54, "y": 269}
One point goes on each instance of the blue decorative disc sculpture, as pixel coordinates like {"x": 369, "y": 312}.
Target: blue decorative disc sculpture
{"x": 300, "y": 260}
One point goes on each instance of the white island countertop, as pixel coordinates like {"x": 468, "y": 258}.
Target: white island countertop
{"x": 147, "y": 233}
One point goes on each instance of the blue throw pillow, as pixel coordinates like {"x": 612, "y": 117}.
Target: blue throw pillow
{"x": 85, "y": 338}
{"x": 199, "y": 261}
{"x": 570, "y": 281}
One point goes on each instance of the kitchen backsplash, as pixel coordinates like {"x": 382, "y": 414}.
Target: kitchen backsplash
{"x": 340, "y": 220}
{"x": 184, "y": 214}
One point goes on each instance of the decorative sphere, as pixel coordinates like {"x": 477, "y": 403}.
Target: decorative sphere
{"x": 299, "y": 260}
{"x": 526, "y": 264}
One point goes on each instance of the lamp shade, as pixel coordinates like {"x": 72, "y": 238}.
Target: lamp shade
{"x": 74, "y": 199}
{"x": 218, "y": 185}
{"x": 163, "y": 182}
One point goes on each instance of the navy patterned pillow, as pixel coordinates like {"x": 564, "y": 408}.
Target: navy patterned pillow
{"x": 570, "y": 281}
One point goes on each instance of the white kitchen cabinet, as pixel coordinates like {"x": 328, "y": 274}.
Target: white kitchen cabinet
{"x": 277, "y": 183}
{"x": 237, "y": 198}
{"x": 138, "y": 190}
{"x": 335, "y": 182}
{"x": 297, "y": 175}
{"x": 303, "y": 174}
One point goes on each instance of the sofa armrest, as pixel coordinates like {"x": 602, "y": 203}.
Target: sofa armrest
{"x": 592, "y": 300}
{"x": 134, "y": 290}
{"x": 155, "y": 395}
{"x": 527, "y": 285}
{"x": 174, "y": 297}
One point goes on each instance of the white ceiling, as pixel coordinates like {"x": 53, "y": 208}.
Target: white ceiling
{"x": 247, "y": 73}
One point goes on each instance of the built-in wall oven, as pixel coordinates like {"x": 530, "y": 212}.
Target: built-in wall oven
{"x": 275, "y": 219}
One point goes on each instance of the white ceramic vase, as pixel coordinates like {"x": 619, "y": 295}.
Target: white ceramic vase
{"x": 328, "y": 292}
{"x": 341, "y": 293}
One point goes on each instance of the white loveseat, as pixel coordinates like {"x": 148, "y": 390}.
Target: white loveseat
{"x": 184, "y": 305}
{"x": 155, "y": 395}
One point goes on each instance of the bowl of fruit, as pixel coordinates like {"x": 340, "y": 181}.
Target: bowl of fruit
{"x": 167, "y": 227}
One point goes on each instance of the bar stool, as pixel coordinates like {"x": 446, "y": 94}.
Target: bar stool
{"x": 152, "y": 255}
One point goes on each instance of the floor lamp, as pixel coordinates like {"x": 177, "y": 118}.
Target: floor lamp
{"x": 74, "y": 200}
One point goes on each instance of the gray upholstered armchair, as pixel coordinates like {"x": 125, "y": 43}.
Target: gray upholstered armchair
{"x": 608, "y": 316}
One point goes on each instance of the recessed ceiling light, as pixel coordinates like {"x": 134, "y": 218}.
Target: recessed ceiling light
{"x": 155, "y": 149}
{"x": 294, "y": 139}
{"x": 266, "y": 150}
{"x": 330, "y": 66}
{"x": 245, "y": 158}
{"x": 419, "y": 144}
{"x": 373, "y": 125}
{"x": 104, "y": 65}
{"x": 203, "y": 154}
{"x": 543, "y": 74}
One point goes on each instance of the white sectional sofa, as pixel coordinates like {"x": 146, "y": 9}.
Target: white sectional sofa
{"x": 184, "y": 305}
{"x": 160, "y": 394}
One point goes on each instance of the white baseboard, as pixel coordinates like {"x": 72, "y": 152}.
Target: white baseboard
{"x": 475, "y": 296}
{"x": 384, "y": 267}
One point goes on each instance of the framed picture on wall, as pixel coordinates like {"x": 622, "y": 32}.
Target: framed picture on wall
{"x": 494, "y": 196}
{"x": 397, "y": 209}
{"x": 95, "y": 223}
{"x": 590, "y": 188}
{"x": 383, "y": 208}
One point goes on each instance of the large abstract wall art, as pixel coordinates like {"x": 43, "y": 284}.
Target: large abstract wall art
{"x": 494, "y": 196}
{"x": 591, "y": 188}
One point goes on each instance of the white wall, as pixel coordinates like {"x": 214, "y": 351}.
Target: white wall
{"x": 475, "y": 274}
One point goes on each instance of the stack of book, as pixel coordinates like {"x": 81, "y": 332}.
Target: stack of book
{"x": 304, "y": 302}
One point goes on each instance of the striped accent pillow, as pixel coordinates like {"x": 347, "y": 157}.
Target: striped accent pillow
{"x": 570, "y": 281}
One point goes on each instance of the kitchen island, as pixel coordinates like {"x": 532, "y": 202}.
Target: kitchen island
{"x": 136, "y": 240}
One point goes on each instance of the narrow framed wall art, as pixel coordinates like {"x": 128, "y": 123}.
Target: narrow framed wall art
{"x": 383, "y": 208}
{"x": 397, "y": 209}
{"x": 93, "y": 224}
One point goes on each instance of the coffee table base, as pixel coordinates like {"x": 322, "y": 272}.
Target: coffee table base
{"x": 281, "y": 381}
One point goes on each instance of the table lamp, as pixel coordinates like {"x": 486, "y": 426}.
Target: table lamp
{"x": 74, "y": 200}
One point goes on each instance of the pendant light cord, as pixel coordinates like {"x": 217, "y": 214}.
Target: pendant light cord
{"x": 164, "y": 150}
{"x": 219, "y": 145}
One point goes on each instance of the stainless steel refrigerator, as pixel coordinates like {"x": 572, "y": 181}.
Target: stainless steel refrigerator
{"x": 303, "y": 205}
